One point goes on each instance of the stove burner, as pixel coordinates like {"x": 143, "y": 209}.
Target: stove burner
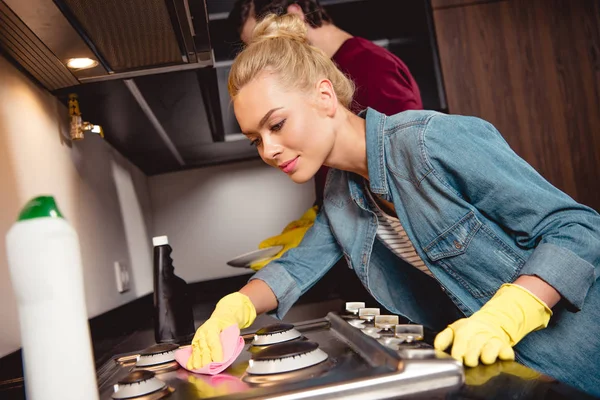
{"x": 276, "y": 333}
{"x": 286, "y": 357}
{"x": 288, "y": 377}
{"x": 254, "y": 349}
{"x": 141, "y": 385}
{"x": 158, "y": 358}
{"x": 159, "y": 349}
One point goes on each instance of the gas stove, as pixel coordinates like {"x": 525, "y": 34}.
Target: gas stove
{"x": 359, "y": 354}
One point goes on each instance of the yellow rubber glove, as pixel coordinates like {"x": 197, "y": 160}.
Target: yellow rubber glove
{"x": 491, "y": 332}
{"x": 235, "y": 308}
{"x": 289, "y": 238}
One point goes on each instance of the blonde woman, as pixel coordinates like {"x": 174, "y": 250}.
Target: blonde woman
{"x": 428, "y": 210}
{"x": 383, "y": 82}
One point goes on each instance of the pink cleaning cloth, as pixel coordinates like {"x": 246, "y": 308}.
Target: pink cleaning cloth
{"x": 232, "y": 344}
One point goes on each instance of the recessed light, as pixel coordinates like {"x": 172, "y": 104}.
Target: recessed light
{"x": 81, "y": 63}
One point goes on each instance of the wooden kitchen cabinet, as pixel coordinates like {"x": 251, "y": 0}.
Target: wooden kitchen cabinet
{"x": 532, "y": 68}
{"x": 437, "y": 4}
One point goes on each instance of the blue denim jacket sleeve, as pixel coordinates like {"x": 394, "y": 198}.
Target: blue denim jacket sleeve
{"x": 470, "y": 156}
{"x": 301, "y": 267}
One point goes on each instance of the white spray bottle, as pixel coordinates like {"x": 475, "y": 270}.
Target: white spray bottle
{"x": 46, "y": 273}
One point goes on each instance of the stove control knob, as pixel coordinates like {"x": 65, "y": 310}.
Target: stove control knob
{"x": 368, "y": 314}
{"x": 353, "y": 307}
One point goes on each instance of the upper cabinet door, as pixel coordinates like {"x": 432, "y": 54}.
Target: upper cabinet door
{"x": 531, "y": 68}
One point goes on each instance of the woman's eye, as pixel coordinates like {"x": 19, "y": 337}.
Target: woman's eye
{"x": 277, "y": 127}
{"x": 255, "y": 142}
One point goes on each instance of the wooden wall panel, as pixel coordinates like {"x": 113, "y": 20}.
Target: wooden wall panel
{"x": 435, "y": 4}
{"x": 532, "y": 69}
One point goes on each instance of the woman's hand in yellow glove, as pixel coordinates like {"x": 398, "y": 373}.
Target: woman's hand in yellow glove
{"x": 490, "y": 333}
{"x": 289, "y": 238}
{"x": 235, "y": 308}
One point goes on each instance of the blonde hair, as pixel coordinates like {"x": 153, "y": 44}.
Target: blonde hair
{"x": 279, "y": 45}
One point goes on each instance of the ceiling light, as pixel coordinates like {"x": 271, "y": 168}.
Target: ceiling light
{"x": 81, "y": 63}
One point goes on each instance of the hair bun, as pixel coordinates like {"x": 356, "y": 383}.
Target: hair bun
{"x": 287, "y": 26}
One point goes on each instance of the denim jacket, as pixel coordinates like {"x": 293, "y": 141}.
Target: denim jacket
{"x": 478, "y": 216}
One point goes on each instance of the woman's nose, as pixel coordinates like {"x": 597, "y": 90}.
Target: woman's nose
{"x": 271, "y": 149}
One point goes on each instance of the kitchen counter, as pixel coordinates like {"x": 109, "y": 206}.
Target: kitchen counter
{"x": 502, "y": 380}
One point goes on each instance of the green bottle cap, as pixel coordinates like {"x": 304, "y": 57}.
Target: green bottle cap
{"x": 40, "y": 207}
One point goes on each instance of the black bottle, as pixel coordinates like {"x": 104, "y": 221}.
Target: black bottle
{"x": 173, "y": 316}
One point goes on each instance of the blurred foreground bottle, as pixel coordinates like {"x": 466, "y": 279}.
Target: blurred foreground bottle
{"x": 173, "y": 316}
{"x": 45, "y": 268}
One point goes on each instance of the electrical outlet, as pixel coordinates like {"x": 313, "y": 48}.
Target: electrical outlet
{"x": 122, "y": 276}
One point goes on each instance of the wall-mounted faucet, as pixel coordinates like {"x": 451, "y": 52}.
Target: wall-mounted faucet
{"x": 78, "y": 126}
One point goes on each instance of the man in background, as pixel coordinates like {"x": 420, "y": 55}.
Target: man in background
{"x": 383, "y": 82}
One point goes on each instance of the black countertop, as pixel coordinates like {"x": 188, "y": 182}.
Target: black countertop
{"x": 115, "y": 333}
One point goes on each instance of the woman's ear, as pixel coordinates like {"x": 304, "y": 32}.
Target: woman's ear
{"x": 326, "y": 97}
{"x": 295, "y": 9}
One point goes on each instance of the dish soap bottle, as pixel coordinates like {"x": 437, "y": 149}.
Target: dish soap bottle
{"x": 44, "y": 261}
{"x": 173, "y": 316}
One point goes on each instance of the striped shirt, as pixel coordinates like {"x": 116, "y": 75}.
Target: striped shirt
{"x": 394, "y": 237}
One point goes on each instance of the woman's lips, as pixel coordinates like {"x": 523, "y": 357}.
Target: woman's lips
{"x": 289, "y": 166}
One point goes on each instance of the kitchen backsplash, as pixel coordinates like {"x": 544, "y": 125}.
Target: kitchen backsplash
{"x": 210, "y": 214}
